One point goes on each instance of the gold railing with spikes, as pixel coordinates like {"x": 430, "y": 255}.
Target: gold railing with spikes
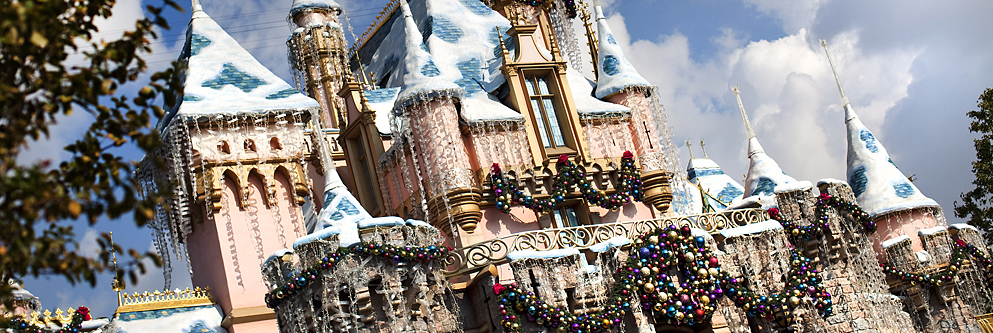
{"x": 168, "y": 299}
{"x": 384, "y": 15}
{"x": 57, "y": 318}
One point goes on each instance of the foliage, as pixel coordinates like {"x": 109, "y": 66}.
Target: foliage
{"x": 53, "y": 63}
{"x": 976, "y": 204}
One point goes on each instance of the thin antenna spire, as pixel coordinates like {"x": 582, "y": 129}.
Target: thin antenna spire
{"x": 744, "y": 116}
{"x": 704, "y": 147}
{"x": 844, "y": 99}
{"x": 117, "y": 285}
{"x": 196, "y": 6}
{"x": 689, "y": 145}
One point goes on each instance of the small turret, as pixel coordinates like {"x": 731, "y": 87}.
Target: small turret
{"x": 764, "y": 174}
{"x": 614, "y": 72}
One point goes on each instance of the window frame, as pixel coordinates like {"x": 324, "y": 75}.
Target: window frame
{"x": 570, "y": 143}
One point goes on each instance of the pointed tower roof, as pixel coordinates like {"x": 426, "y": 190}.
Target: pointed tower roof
{"x": 616, "y": 73}
{"x": 764, "y": 174}
{"x": 420, "y": 77}
{"x": 221, "y": 77}
{"x": 302, "y": 5}
{"x": 879, "y": 186}
{"x": 721, "y": 188}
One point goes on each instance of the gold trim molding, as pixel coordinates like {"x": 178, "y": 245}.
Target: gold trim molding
{"x": 160, "y": 300}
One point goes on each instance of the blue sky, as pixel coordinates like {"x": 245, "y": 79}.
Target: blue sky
{"x": 911, "y": 69}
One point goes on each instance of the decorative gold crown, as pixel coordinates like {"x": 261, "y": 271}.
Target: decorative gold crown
{"x": 159, "y": 300}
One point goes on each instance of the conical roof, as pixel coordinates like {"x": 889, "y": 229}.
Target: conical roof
{"x": 878, "y": 184}
{"x": 722, "y": 189}
{"x": 221, "y": 77}
{"x": 615, "y": 72}
{"x": 764, "y": 174}
{"x": 420, "y": 77}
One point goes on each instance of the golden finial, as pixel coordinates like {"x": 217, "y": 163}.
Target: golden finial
{"x": 117, "y": 284}
{"x": 689, "y": 145}
{"x": 503, "y": 47}
{"x": 704, "y": 147}
{"x": 591, "y": 40}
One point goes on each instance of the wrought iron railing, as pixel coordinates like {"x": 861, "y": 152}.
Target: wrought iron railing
{"x": 494, "y": 252}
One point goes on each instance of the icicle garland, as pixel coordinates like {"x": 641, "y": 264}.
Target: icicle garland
{"x": 397, "y": 254}
{"x": 18, "y": 324}
{"x": 959, "y": 255}
{"x": 802, "y": 283}
{"x": 507, "y": 192}
{"x": 570, "y": 5}
{"x": 819, "y": 228}
{"x": 644, "y": 277}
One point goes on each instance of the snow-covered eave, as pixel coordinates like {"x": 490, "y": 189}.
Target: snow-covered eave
{"x": 875, "y": 213}
{"x": 271, "y": 114}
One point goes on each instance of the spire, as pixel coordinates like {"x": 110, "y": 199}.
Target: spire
{"x": 703, "y": 146}
{"x": 196, "y": 6}
{"x": 689, "y": 145}
{"x": 879, "y": 186}
{"x": 764, "y": 174}
{"x": 614, "y": 72}
{"x": 421, "y": 78}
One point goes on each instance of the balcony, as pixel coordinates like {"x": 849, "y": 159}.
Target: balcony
{"x": 494, "y": 252}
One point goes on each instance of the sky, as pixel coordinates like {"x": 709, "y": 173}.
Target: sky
{"x": 911, "y": 69}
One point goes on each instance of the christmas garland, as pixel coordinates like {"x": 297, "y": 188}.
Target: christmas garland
{"x": 645, "y": 276}
{"x": 802, "y": 283}
{"x": 507, "y": 193}
{"x": 817, "y": 229}
{"x": 959, "y": 254}
{"x": 389, "y": 252}
{"x": 570, "y": 5}
{"x": 17, "y": 323}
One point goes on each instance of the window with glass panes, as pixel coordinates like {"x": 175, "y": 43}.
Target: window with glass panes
{"x": 565, "y": 217}
{"x": 545, "y": 115}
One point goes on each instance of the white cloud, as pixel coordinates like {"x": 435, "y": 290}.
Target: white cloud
{"x": 794, "y": 14}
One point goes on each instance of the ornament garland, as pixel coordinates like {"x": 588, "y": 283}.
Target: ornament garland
{"x": 17, "y": 323}
{"x": 802, "y": 283}
{"x": 817, "y": 229}
{"x": 570, "y": 5}
{"x": 394, "y": 253}
{"x": 959, "y": 254}
{"x": 507, "y": 193}
{"x": 645, "y": 276}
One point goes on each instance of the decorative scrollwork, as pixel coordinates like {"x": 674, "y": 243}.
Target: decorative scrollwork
{"x": 494, "y": 252}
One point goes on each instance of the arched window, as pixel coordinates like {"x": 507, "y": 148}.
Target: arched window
{"x": 224, "y": 147}
{"x": 250, "y": 145}
{"x": 274, "y": 144}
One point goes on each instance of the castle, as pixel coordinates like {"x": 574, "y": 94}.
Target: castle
{"x": 453, "y": 170}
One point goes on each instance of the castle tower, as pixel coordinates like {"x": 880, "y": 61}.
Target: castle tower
{"x": 619, "y": 82}
{"x": 895, "y": 203}
{"x": 717, "y": 189}
{"x": 237, "y": 152}
{"x": 764, "y": 174}
{"x": 317, "y": 53}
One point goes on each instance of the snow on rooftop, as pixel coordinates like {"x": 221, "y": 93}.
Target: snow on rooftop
{"x": 752, "y": 229}
{"x": 615, "y": 72}
{"x": 550, "y": 254}
{"x": 932, "y": 231}
{"x": 221, "y": 77}
{"x": 721, "y": 188}
{"x": 381, "y": 102}
{"x": 582, "y": 93}
{"x": 302, "y": 5}
{"x": 895, "y": 240}
{"x": 420, "y": 78}
{"x": 319, "y": 234}
{"x": 793, "y": 186}
{"x": 963, "y": 226}
{"x": 830, "y": 181}
{"x": 879, "y": 186}
{"x": 187, "y": 319}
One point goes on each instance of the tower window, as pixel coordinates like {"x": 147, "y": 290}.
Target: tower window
{"x": 223, "y": 147}
{"x": 274, "y": 144}
{"x": 546, "y": 116}
{"x": 250, "y": 145}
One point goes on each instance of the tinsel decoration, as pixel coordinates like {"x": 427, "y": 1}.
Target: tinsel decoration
{"x": 645, "y": 275}
{"x": 802, "y": 284}
{"x": 570, "y": 5}
{"x": 938, "y": 278}
{"x": 393, "y": 253}
{"x": 17, "y": 323}
{"x": 818, "y": 228}
{"x": 507, "y": 193}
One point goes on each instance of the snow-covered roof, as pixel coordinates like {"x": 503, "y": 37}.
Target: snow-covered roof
{"x": 187, "y": 319}
{"x": 793, "y": 186}
{"x": 932, "y": 231}
{"x": 963, "y": 226}
{"x": 879, "y": 187}
{"x": 615, "y": 71}
{"x": 221, "y": 77}
{"x": 722, "y": 189}
{"x": 582, "y": 93}
{"x": 830, "y": 181}
{"x": 764, "y": 174}
{"x": 419, "y": 76}
{"x": 381, "y": 102}
{"x": 302, "y": 5}
{"x": 895, "y": 240}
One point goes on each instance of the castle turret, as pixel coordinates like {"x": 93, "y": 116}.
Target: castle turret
{"x": 764, "y": 174}
{"x": 235, "y": 149}
{"x": 317, "y": 53}
{"x": 619, "y": 82}
{"x": 717, "y": 189}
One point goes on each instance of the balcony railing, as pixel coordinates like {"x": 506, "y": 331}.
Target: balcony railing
{"x": 494, "y": 252}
